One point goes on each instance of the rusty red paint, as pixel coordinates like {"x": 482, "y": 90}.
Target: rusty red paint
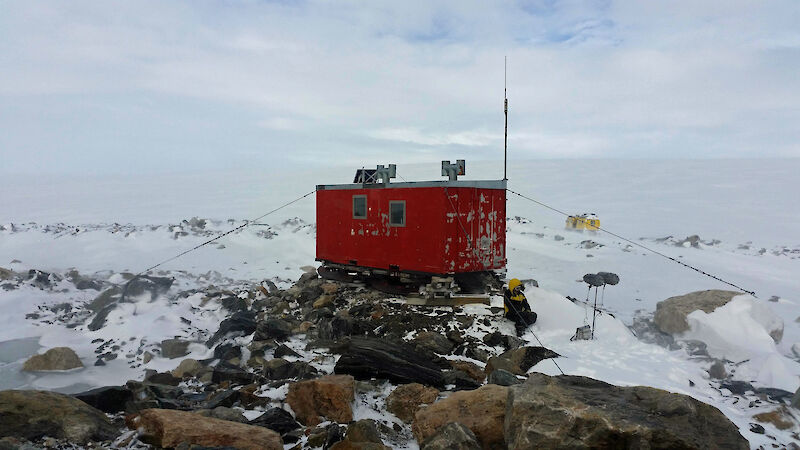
{"x": 447, "y": 229}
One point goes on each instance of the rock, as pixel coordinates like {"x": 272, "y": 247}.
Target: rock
{"x": 170, "y": 428}
{"x": 756, "y": 428}
{"x": 471, "y": 369}
{"x": 453, "y": 436}
{"x": 335, "y": 328}
{"x": 272, "y": 329}
{"x": 102, "y": 305}
{"x": 482, "y": 411}
{"x": 227, "y": 352}
{"x": 276, "y": 419}
{"x": 460, "y": 380}
{"x": 234, "y": 303}
{"x": 520, "y": 360}
{"x": 188, "y": 367}
{"x": 717, "y": 371}
{"x": 781, "y": 418}
{"x": 433, "y": 342}
{"x": 670, "y": 316}
{"x": 361, "y": 435}
{"x": 579, "y": 412}
{"x": 282, "y": 350}
{"x": 323, "y": 301}
{"x": 164, "y": 378}
{"x": 796, "y": 349}
{"x": 226, "y": 398}
{"x": 34, "y": 414}
{"x": 230, "y": 372}
{"x": 502, "y": 377}
{"x": 145, "y": 284}
{"x": 59, "y": 358}
{"x": 174, "y": 348}
{"x": 147, "y": 357}
{"x": 406, "y": 399}
{"x": 241, "y": 323}
{"x": 737, "y": 387}
{"x": 223, "y": 413}
{"x": 330, "y": 396}
{"x": 365, "y": 358}
{"x": 281, "y": 369}
{"x": 6, "y": 274}
{"x": 109, "y": 399}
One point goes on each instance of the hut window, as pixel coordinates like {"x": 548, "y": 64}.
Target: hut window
{"x": 397, "y": 213}
{"x": 359, "y": 207}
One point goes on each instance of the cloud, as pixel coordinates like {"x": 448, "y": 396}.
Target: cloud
{"x": 87, "y": 84}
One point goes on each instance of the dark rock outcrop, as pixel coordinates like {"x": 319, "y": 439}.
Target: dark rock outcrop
{"x": 273, "y": 329}
{"x": 365, "y": 358}
{"x": 109, "y": 399}
{"x": 276, "y": 419}
{"x": 520, "y": 360}
{"x": 241, "y": 323}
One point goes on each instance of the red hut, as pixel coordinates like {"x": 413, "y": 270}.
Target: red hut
{"x": 412, "y": 231}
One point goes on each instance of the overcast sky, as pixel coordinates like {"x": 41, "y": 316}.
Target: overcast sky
{"x": 137, "y": 86}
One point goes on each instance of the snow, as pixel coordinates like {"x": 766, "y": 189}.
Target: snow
{"x": 104, "y": 226}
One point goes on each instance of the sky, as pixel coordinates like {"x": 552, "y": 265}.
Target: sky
{"x": 116, "y": 87}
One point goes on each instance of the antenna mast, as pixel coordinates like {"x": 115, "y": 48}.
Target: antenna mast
{"x": 505, "y": 111}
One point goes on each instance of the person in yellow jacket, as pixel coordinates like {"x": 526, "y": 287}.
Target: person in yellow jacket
{"x": 516, "y": 306}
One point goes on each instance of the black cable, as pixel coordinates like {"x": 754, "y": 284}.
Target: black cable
{"x": 702, "y": 272}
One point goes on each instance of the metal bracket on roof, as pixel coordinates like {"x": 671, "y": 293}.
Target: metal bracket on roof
{"x": 454, "y": 170}
{"x": 384, "y": 174}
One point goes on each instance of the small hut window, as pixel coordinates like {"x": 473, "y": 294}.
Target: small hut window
{"x": 397, "y": 213}
{"x": 359, "y": 207}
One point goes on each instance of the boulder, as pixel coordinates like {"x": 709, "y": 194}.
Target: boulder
{"x": 453, "y": 436}
{"x": 482, "y": 411}
{"x": 519, "y": 361}
{"x": 272, "y": 329}
{"x": 276, "y": 419}
{"x": 227, "y": 352}
{"x": 145, "y": 284}
{"x": 170, "y": 428}
{"x": 323, "y": 301}
{"x": 434, "y": 342}
{"x": 174, "y": 348}
{"x": 281, "y": 369}
{"x": 59, "y": 358}
{"x": 335, "y": 327}
{"x": 330, "y": 396}
{"x": 361, "y": 435}
{"x": 580, "y": 412}
{"x": 406, "y": 399}
{"x": 717, "y": 371}
{"x": 283, "y": 350}
{"x": 34, "y": 414}
{"x": 188, "y": 368}
{"x": 109, "y": 399}
{"x": 241, "y": 323}
{"x": 366, "y": 358}
{"x": 670, "y": 316}
{"x": 231, "y": 372}
{"x": 471, "y": 369}
{"x": 223, "y": 413}
{"x": 781, "y": 418}
{"x": 502, "y": 377}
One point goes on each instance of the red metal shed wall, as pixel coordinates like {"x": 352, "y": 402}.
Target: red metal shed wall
{"x": 433, "y": 239}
